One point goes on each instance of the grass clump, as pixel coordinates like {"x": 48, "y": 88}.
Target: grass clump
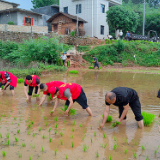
{"x": 71, "y": 111}
{"x": 115, "y": 124}
{"x": 147, "y": 118}
{"x": 73, "y": 72}
{"x": 21, "y": 80}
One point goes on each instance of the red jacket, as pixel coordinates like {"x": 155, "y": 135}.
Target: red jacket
{"x": 12, "y": 77}
{"x": 34, "y": 84}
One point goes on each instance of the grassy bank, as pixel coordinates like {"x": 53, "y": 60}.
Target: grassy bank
{"x": 142, "y": 53}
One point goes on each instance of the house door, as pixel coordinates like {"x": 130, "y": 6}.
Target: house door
{"x": 55, "y": 27}
{"x": 28, "y": 21}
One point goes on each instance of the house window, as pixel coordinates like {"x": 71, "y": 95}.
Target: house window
{"x": 27, "y": 21}
{"x": 78, "y": 8}
{"x": 65, "y": 10}
{"x": 102, "y": 8}
{"x": 102, "y": 30}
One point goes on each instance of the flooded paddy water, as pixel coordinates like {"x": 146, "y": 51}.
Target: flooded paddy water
{"x": 69, "y": 136}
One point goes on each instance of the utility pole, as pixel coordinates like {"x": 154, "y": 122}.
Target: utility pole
{"x": 77, "y": 18}
{"x": 144, "y": 19}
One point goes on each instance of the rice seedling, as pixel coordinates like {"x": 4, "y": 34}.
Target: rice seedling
{"x": 85, "y": 148}
{"x": 20, "y": 155}
{"x": 43, "y": 136}
{"x": 125, "y": 140}
{"x": 18, "y": 130}
{"x": 66, "y": 156}
{"x": 105, "y": 145}
{"x": 74, "y": 122}
{"x": 147, "y": 118}
{"x": 20, "y": 80}
{"x": 49, "y": 129}
{"x": 155, "y": 152}
{"x": 72, "y": 129}
{"x": 73, "y": 72}
{"x": 71, "y": 111}
{"x": 72, "y": 144}
{"x": 125, "y": 151}
{"x": 55, "y": 152}
{"x": 115, "y": 138}
{"x": 27, "y": 121}
{"x": 91, "y": 127}
{"x": 29, "y": 126}
{"x": 134, "y": 154}
{"x": 95, "y": 134}
{"x": 8, "y": 142}
{"x": 46, "y": 123}
{"x": 104, "y": 135}
{"x": 80, "y": 125}
{"x": 135, "y": 143}
{"x": 64, "y": 121}
{"x": 110, "y": 158}
{"x": 30, "y": 157}
{"x": 7, "y": 135}
{"x": 18, "y": 124}
{"x": 40, "y": 128}
{"x": 4, "y": 153}
{"x": 0, "y": 135}
{"x": 45, "y": 118}
{"x": 32, "y": 122}
{"x": 83, "y": 137}
{"x": 28, "y": 132}
{"x": 85, "y": 129}
{"x": 33, "y": 134}
{"x": 115, "y": 146}
{"x": 9, "y": 115}
{"x": 91, "y": 140}
{"x": 72, "y": 136}
{"x": 115, "y": 124}
{"x": 55, "y": 132}
{"x": 32, "y": 145}
{"x": 61, "y": 142}
{"x": 97, "y": 154}
{"x": 23, "y": 145}
{"x": 56, "y": 119}
{"x": 36, "y": 95}
{"x": 143, "y": 147}
{"x": 15, "y": 118}
{"x": 61, "y": 134}
{"x": 42, "y": 148}
{"x": 56, "y": 125}
{"x": 147, "y": 158}
{"x": 16, "y": 139}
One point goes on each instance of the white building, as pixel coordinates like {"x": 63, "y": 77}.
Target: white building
{"x": 92, "y": 11}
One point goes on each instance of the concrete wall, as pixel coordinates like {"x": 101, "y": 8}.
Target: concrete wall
{"x": 4, "y": 6}
{"x": 27, "y": 29}
{"x": 47, "y": 10}
{"x": 37, "y": 19}
{"x": 6, "y": 17}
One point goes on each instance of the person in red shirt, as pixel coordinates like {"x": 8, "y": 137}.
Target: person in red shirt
{"x": 70, "y": 92}
{"x": 32, "y": 81}
{"x": 8, "y": 79}
{"x": 45, "y": 88}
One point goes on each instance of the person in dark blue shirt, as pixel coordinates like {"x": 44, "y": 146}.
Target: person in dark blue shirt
{"x": 96, "y": 64}
{"x": 123, "y": 97}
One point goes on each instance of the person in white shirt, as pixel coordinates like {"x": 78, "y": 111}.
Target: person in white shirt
{"x": 64, "y": 57}
{"x": 121, "y": 34}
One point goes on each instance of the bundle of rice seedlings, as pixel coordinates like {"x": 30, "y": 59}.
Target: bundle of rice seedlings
{"x": 147, "y": 118}
{"x": 115, "y": 124}
{"x": 73, "y": 71}
{"x": 71, "y": 111}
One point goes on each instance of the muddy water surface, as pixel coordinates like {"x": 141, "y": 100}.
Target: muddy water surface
{"x": 73, "y": 132}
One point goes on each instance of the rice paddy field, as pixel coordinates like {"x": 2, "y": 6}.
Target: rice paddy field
{"x": 29, "y": 132}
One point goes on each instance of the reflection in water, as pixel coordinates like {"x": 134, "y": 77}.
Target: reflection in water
{"x": 17, "y": 114}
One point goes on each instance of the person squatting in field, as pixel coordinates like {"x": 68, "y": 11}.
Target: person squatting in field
{"x": 123, "y": 97}
{"x": 8, "y": 79}
{"x": 46, "y": 87}
{"x": 70, "y": 92}
{"x": 32, "y": 81}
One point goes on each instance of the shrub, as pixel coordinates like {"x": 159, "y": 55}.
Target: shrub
{"x": 83, "y": 48}
{"x": 10, "y": 23}
{"x": 73, "y": 72}
{"x": 147, "y": 118}
{"x": 73, "y": 33}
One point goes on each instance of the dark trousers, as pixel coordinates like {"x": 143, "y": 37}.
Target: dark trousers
{"x": 11, "y": 87}
{"x": 31, "y": 90}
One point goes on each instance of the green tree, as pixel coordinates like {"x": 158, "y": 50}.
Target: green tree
{"x": 153, "y": 22}
{"x": 42, "y": 3}
{"x": 119, "y": 17}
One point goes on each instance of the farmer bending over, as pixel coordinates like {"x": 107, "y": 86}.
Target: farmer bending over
{"x": 46, "y": 87}
{"x": 32, "y": 81}
{"x": 123, "y": 97}
{"x": 8, "y": 79}
{"x": 70, "y": 92}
